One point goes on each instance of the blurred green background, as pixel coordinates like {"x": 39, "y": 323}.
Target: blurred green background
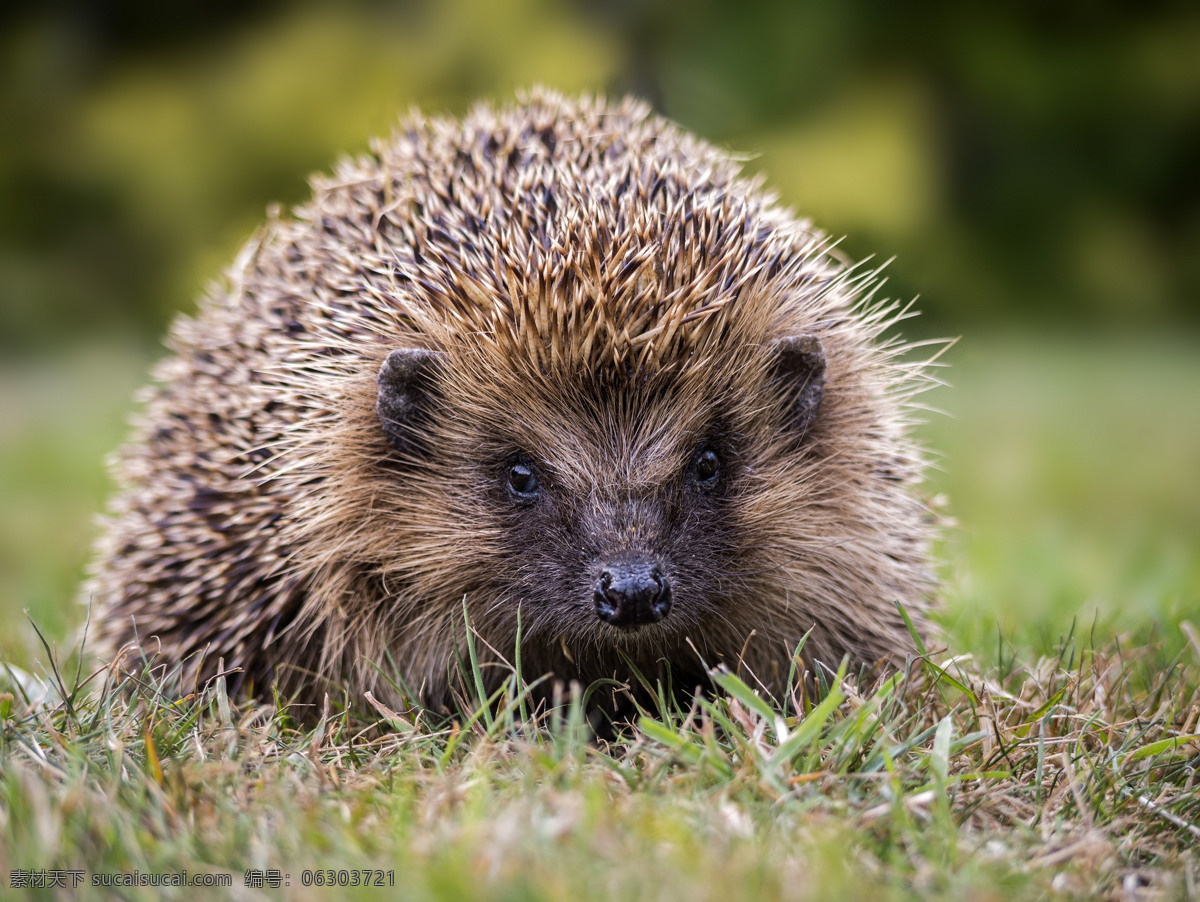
{"x": 1032, "y": 166}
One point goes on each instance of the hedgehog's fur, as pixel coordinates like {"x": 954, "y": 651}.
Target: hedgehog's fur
{"x": 604, "y": 292}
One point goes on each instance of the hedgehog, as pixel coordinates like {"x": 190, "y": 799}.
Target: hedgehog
{"x": 556, "y": 375}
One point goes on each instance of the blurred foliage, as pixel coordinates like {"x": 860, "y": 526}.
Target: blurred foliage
{"x": 1025, "y": 160}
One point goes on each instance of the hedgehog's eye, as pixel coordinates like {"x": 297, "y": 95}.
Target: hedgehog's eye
{"x": 706, "y": 466}
{"x": 522, "y": 481}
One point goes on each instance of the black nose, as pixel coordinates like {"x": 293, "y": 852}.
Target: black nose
{"x": 632, "y": 593}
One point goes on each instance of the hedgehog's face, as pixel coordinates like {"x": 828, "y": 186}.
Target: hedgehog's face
{"x": 606, "y": 509}
{"x": 619, "y": 550}
{"x": 632, "y": 587}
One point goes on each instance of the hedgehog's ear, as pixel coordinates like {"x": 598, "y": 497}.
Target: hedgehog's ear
{"x": 799, "y": 367}
{"x": 406, "y": 385}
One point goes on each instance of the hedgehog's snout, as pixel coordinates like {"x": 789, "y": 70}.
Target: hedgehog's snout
{"x": 632, "y": 592}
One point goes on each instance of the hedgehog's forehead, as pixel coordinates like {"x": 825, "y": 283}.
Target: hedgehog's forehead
{"x": 632, "y": 427}
{"x": 625, "y": 338}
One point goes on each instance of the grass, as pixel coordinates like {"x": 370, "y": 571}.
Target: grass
{"x": 1046, "y": 748}
{"x": 1072, "y": 470}
{"x": 1072, "y": 776}
{"x": 59, "y": 417}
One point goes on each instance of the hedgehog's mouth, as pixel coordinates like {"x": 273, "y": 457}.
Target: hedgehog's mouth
{"x": 629, "y": 629}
